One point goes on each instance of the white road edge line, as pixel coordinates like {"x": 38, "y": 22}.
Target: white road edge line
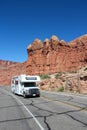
{"x": 38, "y": 123}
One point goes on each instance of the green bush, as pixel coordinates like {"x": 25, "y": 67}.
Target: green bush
{"x": 85, "y": 69}
{"x": 61, "y": 89}
{"x": 45, "y": 76}
{"x": 57, "y": 75}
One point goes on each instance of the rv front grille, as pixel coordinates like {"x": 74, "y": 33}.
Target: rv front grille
{"x": 33, "y": 91}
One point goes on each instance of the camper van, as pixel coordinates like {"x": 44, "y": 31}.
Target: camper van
{"x": 25, "y": 85}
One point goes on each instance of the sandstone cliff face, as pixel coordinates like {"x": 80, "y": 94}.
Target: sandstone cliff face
{"x": 56, "y": 56}
{"x": 9, "y": 69}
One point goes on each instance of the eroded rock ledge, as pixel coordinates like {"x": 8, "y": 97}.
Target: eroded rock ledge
{"x": 56, "y": 55}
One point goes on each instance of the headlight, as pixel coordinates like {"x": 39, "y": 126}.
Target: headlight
{"x": 27, "y": 91}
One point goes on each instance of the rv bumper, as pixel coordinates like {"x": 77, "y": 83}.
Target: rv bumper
{"x": 32, "y": 92}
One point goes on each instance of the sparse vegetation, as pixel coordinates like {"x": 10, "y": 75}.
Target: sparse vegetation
{"x": 57, "y": 75}
{"x": 73, "y": 72}
{"x": 85, "y": 69}
{"x": 45, "y": 76}
{"x": 61, "y": 89}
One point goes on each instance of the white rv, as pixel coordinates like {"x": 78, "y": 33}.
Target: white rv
{"x": 25, "y": 85}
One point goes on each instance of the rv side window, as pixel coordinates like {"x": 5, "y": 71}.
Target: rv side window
{"x": 30, "y": 84}
{"x": 16, "y": 82}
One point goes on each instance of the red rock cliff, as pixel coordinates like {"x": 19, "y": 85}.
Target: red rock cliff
{"x": 9, "y": 69}
{"x": 54, "y": 56}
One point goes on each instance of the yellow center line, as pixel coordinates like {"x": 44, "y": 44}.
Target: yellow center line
{"x": 65, "y": 104}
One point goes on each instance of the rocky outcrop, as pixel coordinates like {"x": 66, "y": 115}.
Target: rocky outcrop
{"x": 70, "y": 82}
{"x": 9, "y": 69}
{"x": 53, "y": 55}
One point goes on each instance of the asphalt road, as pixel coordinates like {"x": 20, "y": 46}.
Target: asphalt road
{"x": 51, "y": 111}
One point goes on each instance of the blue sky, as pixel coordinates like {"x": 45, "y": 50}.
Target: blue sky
{"x": 22, "y": 21}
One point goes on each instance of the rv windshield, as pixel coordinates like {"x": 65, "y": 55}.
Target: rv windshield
{"x": 30, "y": 84}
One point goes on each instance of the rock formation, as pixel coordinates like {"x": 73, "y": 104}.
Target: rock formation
{"x": 9, "y": 69}
{"x": 53, "y": 55}
{"x": 71, "y": 82}
{"x": 50, "y": 57}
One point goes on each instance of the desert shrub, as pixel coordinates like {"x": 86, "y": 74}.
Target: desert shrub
{"x": 73, "y": 72}
{"x": 44, "y": 76}
{"x": 57, "y": 75}
{"x": 85, "y": 69}
{"x": 61, "y": 89}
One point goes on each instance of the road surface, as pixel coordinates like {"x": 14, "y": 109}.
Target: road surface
{"x": 51, "y": 111}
